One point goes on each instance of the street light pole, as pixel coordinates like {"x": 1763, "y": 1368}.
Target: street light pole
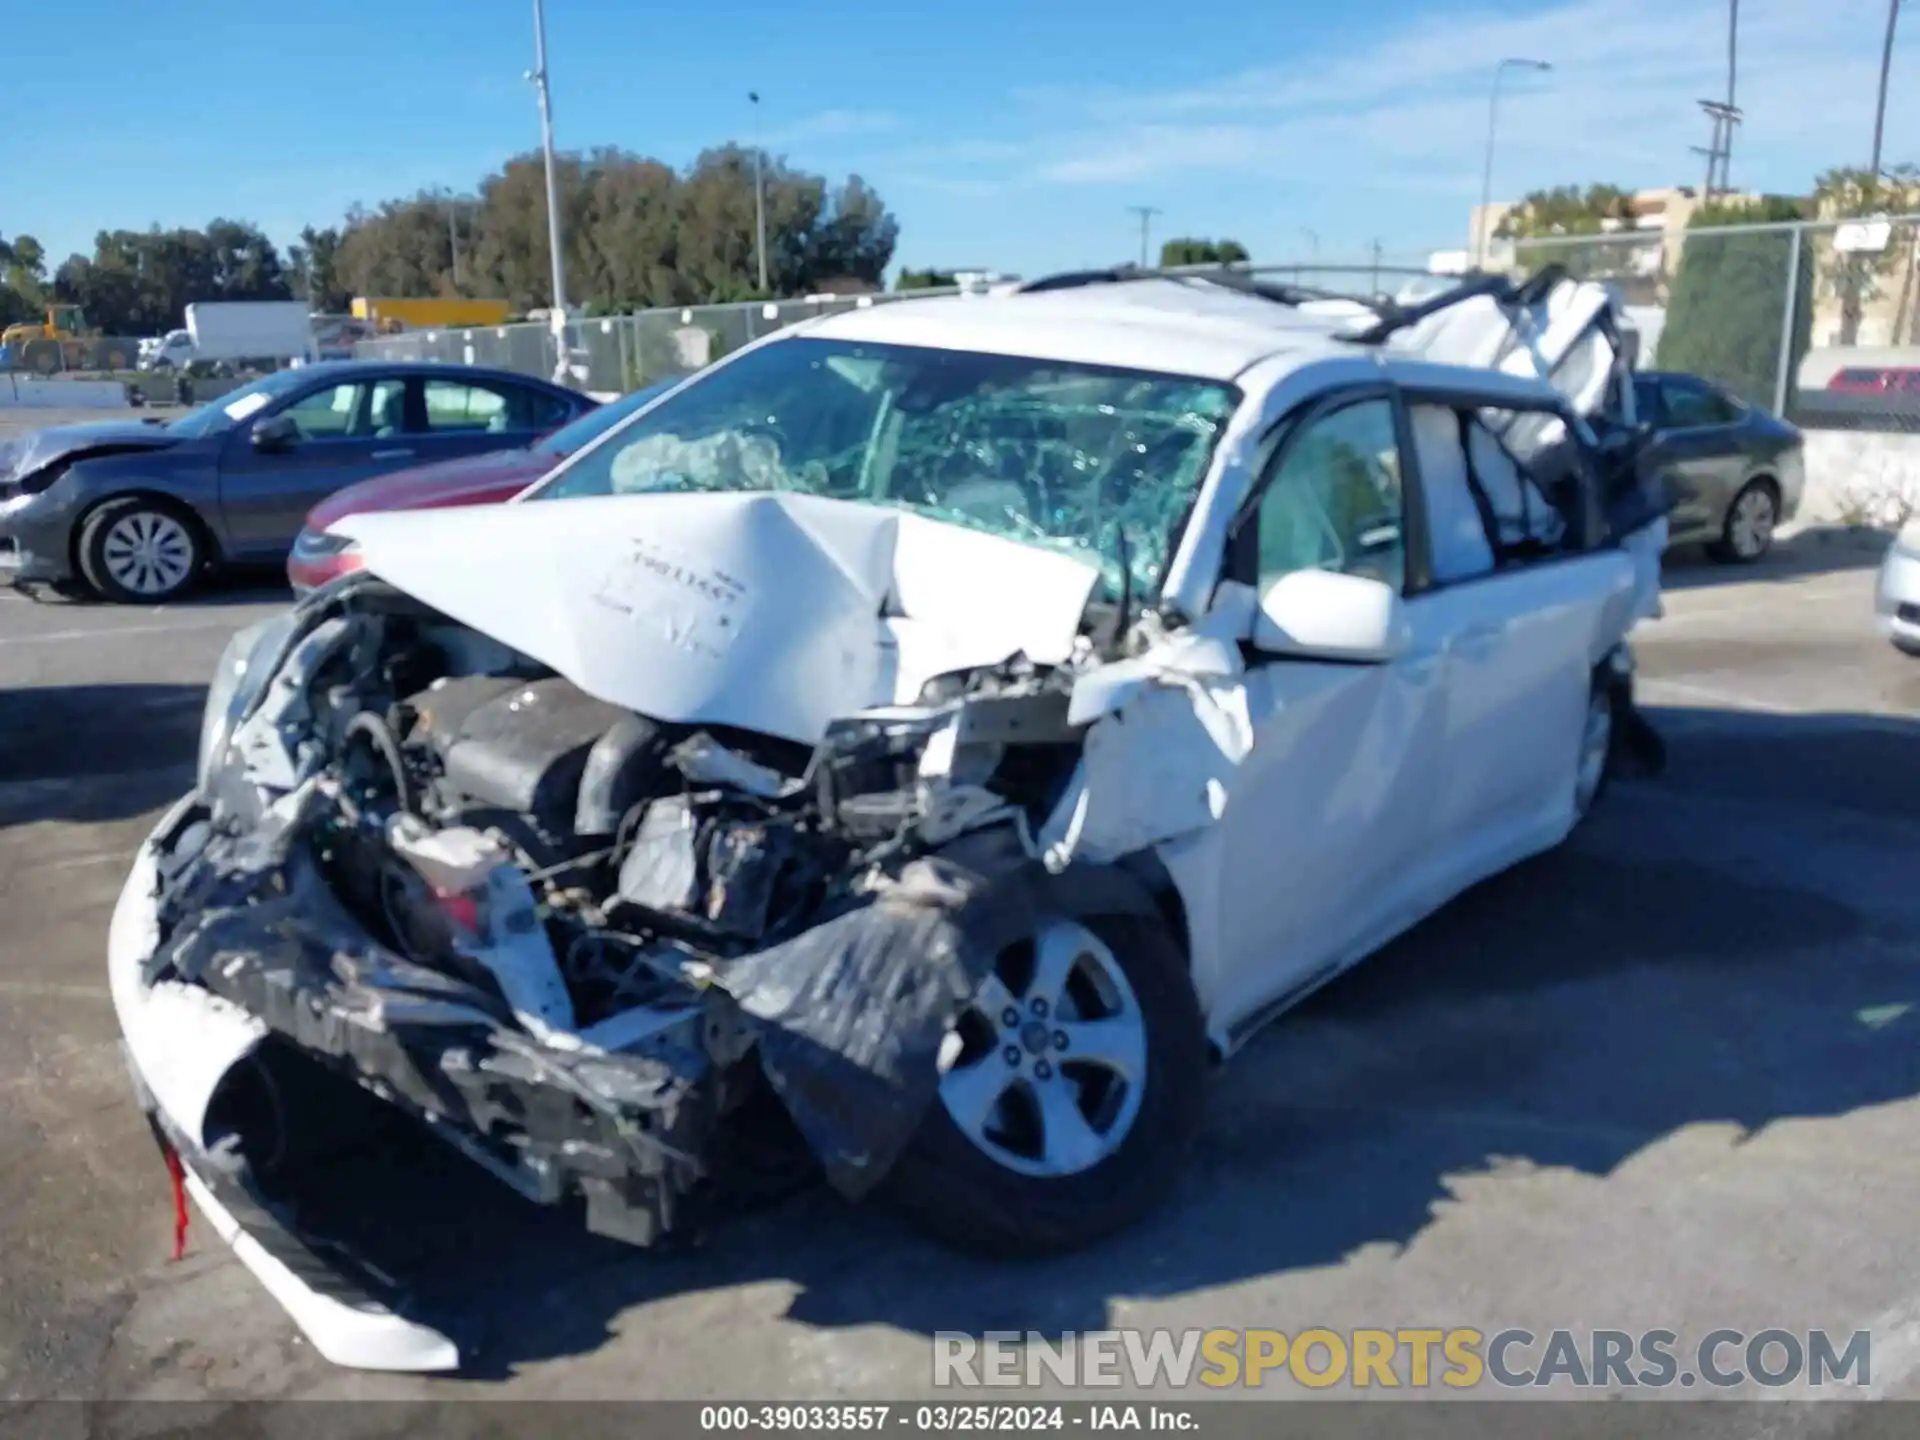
{"x": 539, "y": 77}
{"x": 1880, "y": 110}
{"x": 1481, "y": 227}
{"x": 759, "y": 195}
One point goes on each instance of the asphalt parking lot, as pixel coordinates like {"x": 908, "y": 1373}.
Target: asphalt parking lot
{"x": 1665, "y": 1078}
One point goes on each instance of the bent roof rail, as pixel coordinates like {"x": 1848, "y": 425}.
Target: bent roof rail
{"x": 1393, "y": 316}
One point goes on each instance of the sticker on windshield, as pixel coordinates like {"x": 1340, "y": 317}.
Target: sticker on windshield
{"x": 247, "y": 405}
{"x": 696, "y": 607}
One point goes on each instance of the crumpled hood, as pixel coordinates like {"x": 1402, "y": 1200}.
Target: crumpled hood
{"x": 471, "y": 480}
{"x": 772, "y": 612}
{"x": 21, "y": 456}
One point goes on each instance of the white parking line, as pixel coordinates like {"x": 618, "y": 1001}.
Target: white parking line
{"x": 66, "y": 637}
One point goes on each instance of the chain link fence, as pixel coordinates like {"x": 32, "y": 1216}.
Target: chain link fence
{"x": 1817, "y": 321}
{"x": 624, "y": 352}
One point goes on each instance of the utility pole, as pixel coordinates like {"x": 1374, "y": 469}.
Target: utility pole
{"x": 1733, "y": 61}
{"x": 759, "y": 196}
{"x": 539, "y": 77}
{"x": 1880, "y": 109}
{"x": 1374, "y": 288}
{"x": 1146, "y": 214}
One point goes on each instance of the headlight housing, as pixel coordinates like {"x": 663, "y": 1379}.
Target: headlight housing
{"x": 238, "y": 681}
{"x": 320, "y": 544}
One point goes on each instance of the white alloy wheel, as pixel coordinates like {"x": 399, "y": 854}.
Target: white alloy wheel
{"x": 1045, "y": 1072}
{"x": 1596, "y": 750}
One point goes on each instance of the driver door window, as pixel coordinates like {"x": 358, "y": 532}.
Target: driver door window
{"x": 1335, "y": 500}
{"x": 350, "y": 411}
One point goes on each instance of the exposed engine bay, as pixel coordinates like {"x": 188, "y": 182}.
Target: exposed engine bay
{"x": 559, "y": 930}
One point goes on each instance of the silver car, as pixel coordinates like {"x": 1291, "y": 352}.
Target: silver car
{"x": 1896, "y": 599}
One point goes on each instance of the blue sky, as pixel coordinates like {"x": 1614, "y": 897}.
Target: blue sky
{"x": 1002, "y": 133}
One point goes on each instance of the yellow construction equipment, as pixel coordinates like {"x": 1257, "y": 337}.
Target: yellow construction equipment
{"x": 389, "y": 315}
{"x": 63, "y": 342}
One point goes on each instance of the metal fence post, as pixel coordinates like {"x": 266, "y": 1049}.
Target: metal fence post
{"x": 1784, "y": 370}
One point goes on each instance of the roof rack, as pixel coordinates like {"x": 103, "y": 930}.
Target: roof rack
{"x": 1502, "y": 289}
{"x": 1392, "y": 316}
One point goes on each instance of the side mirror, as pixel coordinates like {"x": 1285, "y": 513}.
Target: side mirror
{"x": 1324, "y": 615}
{"x": 276, "y": 432}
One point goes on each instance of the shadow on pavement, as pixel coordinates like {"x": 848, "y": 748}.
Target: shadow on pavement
{"x": 1815, "y": 550}
{"x": 94, "y": 753}
{"x": 1570, "y": 1013}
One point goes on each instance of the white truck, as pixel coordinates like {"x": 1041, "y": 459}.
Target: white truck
{"x": 230, "y": 333}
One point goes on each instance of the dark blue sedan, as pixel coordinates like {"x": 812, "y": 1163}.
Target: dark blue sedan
{"x": 136, "y": 512}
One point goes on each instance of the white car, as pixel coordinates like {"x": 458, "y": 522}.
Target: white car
{"x": 955, "y": 722}
{"x": 1897, "y": 595}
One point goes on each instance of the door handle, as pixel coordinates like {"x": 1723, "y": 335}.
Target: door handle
{"x": 391, "y": 454}
{"x": 1478, "y": 640}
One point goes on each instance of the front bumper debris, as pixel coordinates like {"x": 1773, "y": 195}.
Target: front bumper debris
{"x": 180, "y": 1041}
{"x": 841, "y": 1026}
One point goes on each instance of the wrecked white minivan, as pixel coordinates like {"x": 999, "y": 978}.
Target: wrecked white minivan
{"x": 944, "y": 727}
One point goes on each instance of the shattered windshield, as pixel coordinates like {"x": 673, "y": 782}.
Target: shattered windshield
{"x": 1070, "y": 457}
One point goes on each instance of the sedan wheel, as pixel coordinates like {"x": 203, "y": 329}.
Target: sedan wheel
{"x": 1069, "y": 1092}
{"x": 137, "y": 551}
{"x": 1748, "y": 531}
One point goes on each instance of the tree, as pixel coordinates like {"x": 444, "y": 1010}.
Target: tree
{"x": 1729, "y": 296}
{"x": 926, "y": 280}
{"x": 1567, "y": 210}
{"x": 140, "y": 282}
{"x": 637, "y": 234}
{"x": 314, "y": 265}
{"x": 1202, "y": 252}
{"x": 1845, "y": 193}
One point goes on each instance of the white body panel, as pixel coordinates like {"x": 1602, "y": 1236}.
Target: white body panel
{"x": 250, "y": 330}
{"x": 1899, "y": 585}
{"x": 181, "y": 1041}
{"x": 764, "y": 611}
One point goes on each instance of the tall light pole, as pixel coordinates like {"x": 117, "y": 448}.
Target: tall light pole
{"x": 759, "y": 195}
{"x": 1146, "y": 214}
{"x": 539, "y": 77}
{"x": 1880, "y": 110}
{"x": 1482, "y": 229}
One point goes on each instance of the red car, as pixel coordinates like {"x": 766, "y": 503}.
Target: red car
{"x": 478, "y": 480}
{"x": 1877, "y": 380}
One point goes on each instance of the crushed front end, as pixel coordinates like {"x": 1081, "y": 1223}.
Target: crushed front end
{"x": 617, "y": 963}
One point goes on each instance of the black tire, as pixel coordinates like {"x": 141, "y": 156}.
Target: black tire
{"x": 1726, "y": 550}
{"x": 186, "y": 548}
{"x": 966, "y": 1199}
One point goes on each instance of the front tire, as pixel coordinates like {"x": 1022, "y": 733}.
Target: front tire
{"x": 1070, "y": 1096}
{"x": 1747, "y": 532}
{"x": 140, "y": 552}
{"x": 1599, "y": 737}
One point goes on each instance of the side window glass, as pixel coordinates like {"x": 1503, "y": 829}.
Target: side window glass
{"x": 1334, "y": 503}
{"x": 1456, "y": 529}
{"x": 326, "y": 414}
{"x": 387, "y": 410}
{"x": 1646, "y": 401}
{"x": 1689, "y": 405}
{"x": 541, "y": 411}
{"x": 470, "y": 409}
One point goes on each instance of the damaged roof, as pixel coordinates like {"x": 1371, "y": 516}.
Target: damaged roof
{"x": 1164, "y": 325}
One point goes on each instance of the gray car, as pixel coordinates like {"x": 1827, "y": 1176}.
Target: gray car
{"x": 137, "y": 511}
{"x": 1738, "y": 470}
